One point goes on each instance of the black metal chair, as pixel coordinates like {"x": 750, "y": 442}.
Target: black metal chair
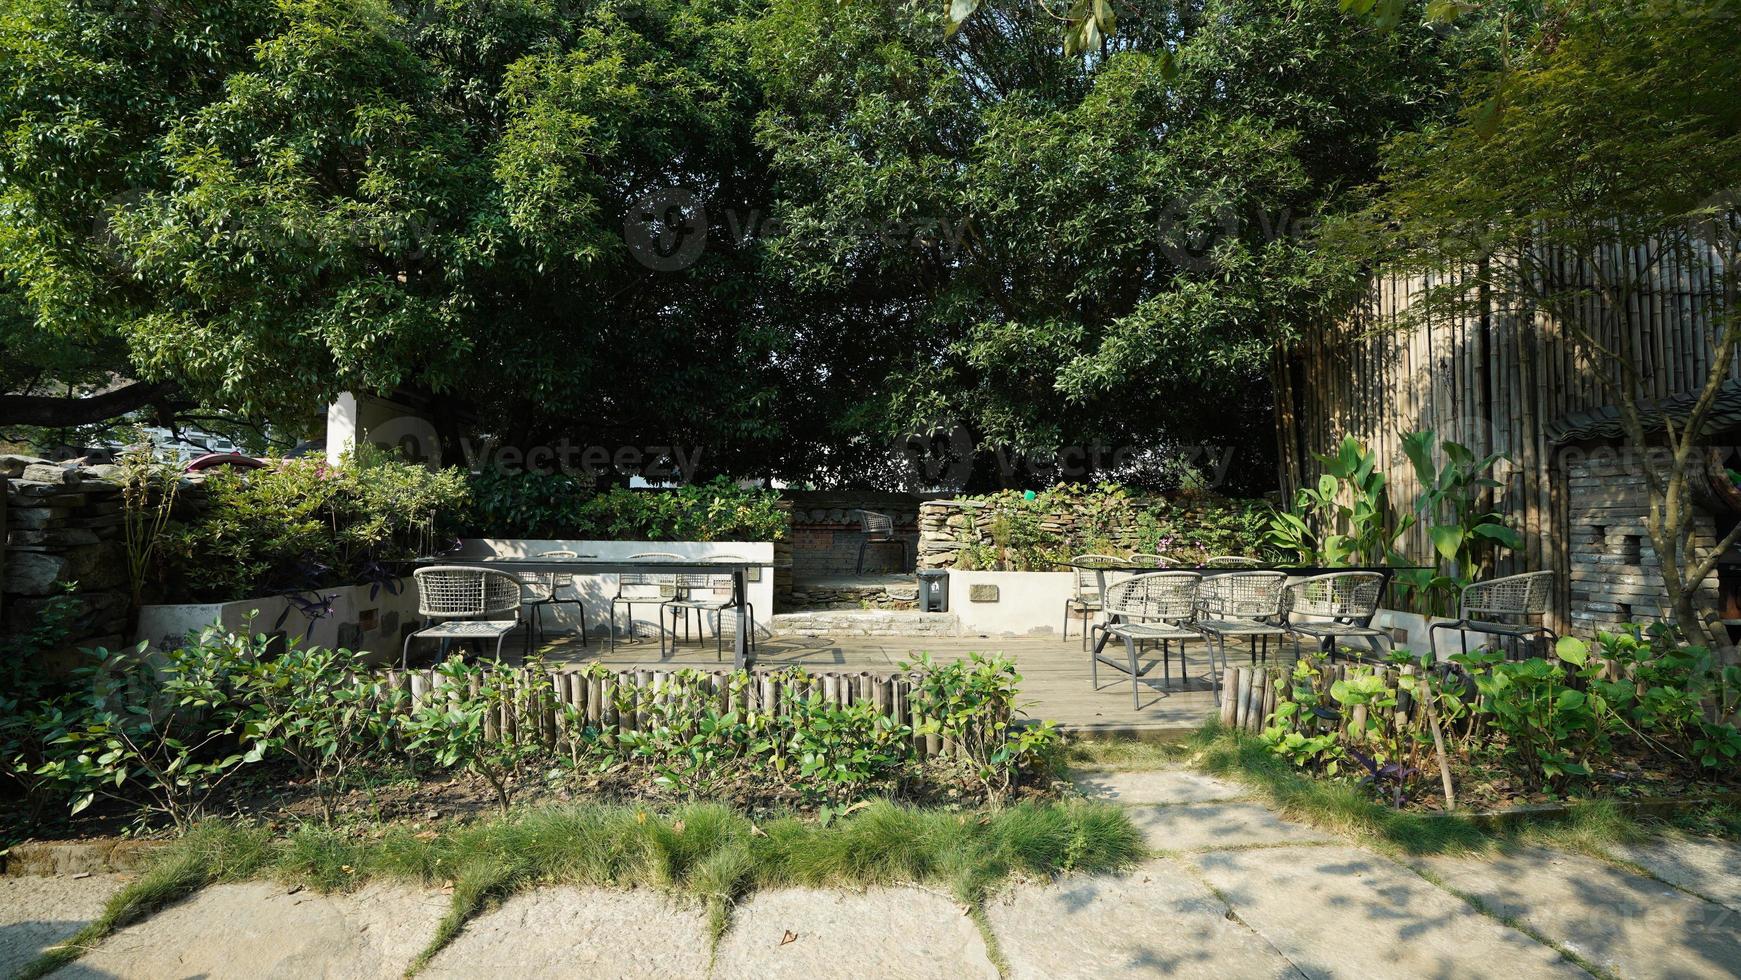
{"x": 1502, "y": 607}
{"x": 879, "y": 529}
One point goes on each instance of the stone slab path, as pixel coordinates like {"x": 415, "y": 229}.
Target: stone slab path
{"x": 1623, "y": 923}
{"x": 1233, "y": 890}
{"x": 262, "y": 929}
{"x": 809, "y": 934}
{"x": 39, "y": 912}
{"x": 579, "y": 932}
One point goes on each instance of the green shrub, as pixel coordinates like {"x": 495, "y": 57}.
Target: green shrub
{"x": 169, "y": 727}
{"x": 301, "y": 525}
{"x": 459, "y": 726}
{"x": 554, "y": 505}
{"x": 1014, "y": 530}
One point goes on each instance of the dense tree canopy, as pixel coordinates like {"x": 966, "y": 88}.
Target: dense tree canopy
{"x": 787, "y": 231}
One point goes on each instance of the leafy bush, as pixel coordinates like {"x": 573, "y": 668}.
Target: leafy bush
{"x": 1643, "y": 703}
{"x": 301, "y": 525}
{"x": 554, "y": 505}
{"x": 316, "y": 706}
{"x": 460, "y": 726}
{"x": 1014, "y": 530}
{"x": 171, "y": 727}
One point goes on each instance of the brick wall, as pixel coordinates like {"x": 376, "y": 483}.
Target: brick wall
{"x": 826, "y": 532}
{"x": 1615, "y": 575}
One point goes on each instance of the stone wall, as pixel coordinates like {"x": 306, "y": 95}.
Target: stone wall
{"x": 63, "y": 524}
{"x": 945, "y": 526}
{"x": 1615, "y": 575}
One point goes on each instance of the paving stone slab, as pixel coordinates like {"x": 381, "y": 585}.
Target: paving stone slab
{"x": 1158, "y": 920}
{"x": 262, "y": 929}
{"x": 1157, "y": 786}
{"x": 1624, "y": 923}
{"x": 806, "y": 934}
{"x": 1215, "y": 825}
{"x": 1701, "y": 865}
{"x": 39, "y": 912}
{"x": 1344, "y": 912}
{"x": 579, "y": 932}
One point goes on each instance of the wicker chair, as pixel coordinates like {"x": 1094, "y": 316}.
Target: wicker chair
{"x": 1345, "y": 603}
{"x": 449, "y": 597}
{"x": 1158, "y": 606}
{"x": 541, "y": 590}
{"x": 706, "y": 593}
{"x": 1231, "y": 561}
{"x": 1247, "y": 604}
{"x": 1140, "y": 560}
{"x": 645, "y": 589}
{"x": 879, "y": 529}
{"x": 1087, "y": 599}
{"x": 1503, "y": 607}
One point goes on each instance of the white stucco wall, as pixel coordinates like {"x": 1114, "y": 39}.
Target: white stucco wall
{"x": 1028, "y": 603}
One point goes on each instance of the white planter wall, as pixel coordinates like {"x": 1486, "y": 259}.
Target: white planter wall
{"x": 1028, "y": 603}
{"x": 358, "y": 621}
{"x": 597, "y": 590}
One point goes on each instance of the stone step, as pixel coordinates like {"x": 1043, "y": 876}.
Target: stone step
{"x": 864, "y": 622}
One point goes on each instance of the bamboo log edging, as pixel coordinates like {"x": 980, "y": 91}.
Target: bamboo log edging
{"x": 554, "y": 704}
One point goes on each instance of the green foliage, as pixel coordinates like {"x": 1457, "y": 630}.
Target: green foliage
{"x": 554, "y": 505}
{"x": 31, "y": 695}
{"x": 1450, "y": 505}
{"x": 301, "y": 525}
{"x": 315, "y": 706}
{"x": 453, "y": 727}
{"x": 171, "y": 728}
{"x": 1016, "y": 531}
{"x": 971, "y": 704}
{"x": 1345, "y": 519}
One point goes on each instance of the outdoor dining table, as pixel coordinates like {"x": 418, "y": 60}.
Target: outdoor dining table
{"x": 1100, "y": 568}
{"x": 594, "y": 565}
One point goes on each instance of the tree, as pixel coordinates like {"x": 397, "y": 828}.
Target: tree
{"x": 1617, "y": 132}
{"x": 1095, "y": 249}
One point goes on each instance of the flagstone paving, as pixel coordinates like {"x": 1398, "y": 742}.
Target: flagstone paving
{"x": 809, "y": 934}
{"x": 266, "y": 930}
{"x": 1158, "y": 920}
{"x": 1239, "y": 891}
{"x": 38, "y": 912}
{"x": 1623, "y": 923}
{"x": 1711, "y": 868}
{"x": 1156, "y": 786}
{"x": 579, "y": 932}
{"x": 1343, "y": 911}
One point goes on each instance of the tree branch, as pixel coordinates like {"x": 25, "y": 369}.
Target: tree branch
{"x": 50, "y": 411}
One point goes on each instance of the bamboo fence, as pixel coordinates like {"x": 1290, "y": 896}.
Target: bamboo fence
{"x": 621, "y": 698}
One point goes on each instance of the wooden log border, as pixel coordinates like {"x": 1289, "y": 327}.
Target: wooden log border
{"x": 548, "y": 703}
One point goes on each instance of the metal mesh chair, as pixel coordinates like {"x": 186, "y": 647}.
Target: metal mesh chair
{"x": 1344, "y": 603}
{"x": 645, "y": 589}
{"x": 450, "y": 597}
{"x": 1247, "y": 604}
{"x": 1158, "y": 606}
{"x": 1502, "y": 607}
{"x": 879, "y": 529}
{"x": 542, "y": 590}
{"x": 1087, "y": 599}
{"x": 705, "y": 593}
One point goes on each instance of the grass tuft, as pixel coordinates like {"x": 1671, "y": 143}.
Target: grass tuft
{"x": 707, "y": 852}
{"x": 210, "y": 853}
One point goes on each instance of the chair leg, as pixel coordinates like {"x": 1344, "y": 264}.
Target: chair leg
{"x": 1067, "y": 620}
{"x": 1094, "y": 670}
{"x": 405, "y": 654}
{"x": 1130, "y": 651}
{"x": 861, "y": 545}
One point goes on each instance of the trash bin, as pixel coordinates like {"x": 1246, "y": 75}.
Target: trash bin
{"x": 934, "y": 590}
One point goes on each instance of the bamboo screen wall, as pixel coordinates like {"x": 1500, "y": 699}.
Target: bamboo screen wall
{"x": 1495, "y": 382}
